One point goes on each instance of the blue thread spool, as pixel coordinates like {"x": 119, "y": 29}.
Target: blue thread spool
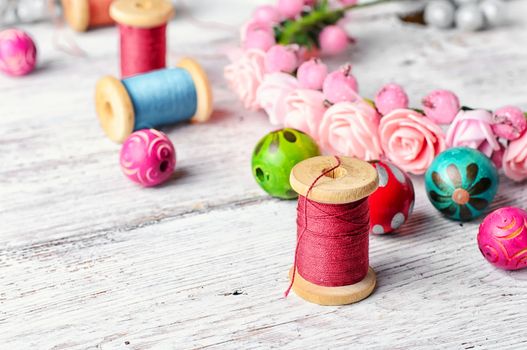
{"x": 154, "y": 99}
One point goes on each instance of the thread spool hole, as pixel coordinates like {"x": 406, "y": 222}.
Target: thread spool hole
{"x": 163, "y": 166}
{"x": 143, "y": 5}
{"x": 108, "y": 110}
{"x": 336, "y": 173}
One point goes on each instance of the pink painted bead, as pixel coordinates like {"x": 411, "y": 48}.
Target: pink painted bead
{"x": 267, "y": 14}
{"x": 148, "y": 157}
{"x": 18, "y": 54}
{"x": 259, "y": 39}
{"x": 333, "y": 40}
{"x": 348, "y": 2}
{"x": 311, "y": 74}
{"x": 509, "y": 122}
{"x": 502, "y": 238}
{"x": 290, "y": 8}
{"x": 340, "y": 86}
{"x": 441, "y": 106}
{"x": 281, "y": 59}
{"x": 390, "y": 98}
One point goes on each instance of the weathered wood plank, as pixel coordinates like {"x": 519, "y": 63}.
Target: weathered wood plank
{"x": 90, "y": 261}
{"x": 185, "y": 284}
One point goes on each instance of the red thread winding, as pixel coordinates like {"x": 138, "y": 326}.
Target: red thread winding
{"x": 332, "y": 241}
{"x": 142, "y": 49}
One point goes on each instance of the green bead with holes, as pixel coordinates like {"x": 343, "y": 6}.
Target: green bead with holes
{"x": 276, "y": 154}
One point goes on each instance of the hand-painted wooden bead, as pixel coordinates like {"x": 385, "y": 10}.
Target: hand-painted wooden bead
{"x": 461, "y": 183}
{"x": 275, "y": 155}
{"x": 502, "y": 238}
{"x": 18, "y": 54}
{"x": 148, "y": 157}
{"x": 392, "y": 203}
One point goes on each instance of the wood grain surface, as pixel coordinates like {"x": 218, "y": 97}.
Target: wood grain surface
{"x": 88, "y": 260}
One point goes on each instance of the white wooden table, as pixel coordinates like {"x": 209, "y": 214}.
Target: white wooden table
{"x": 88, "y": 260}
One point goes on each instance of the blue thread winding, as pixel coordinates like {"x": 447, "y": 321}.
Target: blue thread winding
{"x": 162, "y": 97}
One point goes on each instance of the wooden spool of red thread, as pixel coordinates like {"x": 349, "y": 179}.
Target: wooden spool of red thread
{"x": 352, "y": 181}
{"x": 142, "y": 26}
{"x": 82, "y": 15}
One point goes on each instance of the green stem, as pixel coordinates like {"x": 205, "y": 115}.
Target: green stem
{"x": 315, "y": 18}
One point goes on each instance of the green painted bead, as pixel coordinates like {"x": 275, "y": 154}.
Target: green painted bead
{"x": 275, "y": 155}
{"x": 461, "y": 183}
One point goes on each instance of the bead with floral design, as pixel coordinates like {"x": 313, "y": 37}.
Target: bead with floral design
{"x": 461, "y": 183}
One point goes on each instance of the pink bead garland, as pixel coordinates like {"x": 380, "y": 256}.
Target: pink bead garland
{"x": 264, "y": 78}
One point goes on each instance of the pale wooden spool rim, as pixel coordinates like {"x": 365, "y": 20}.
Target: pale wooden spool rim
{"x": 77, "y": 14}
{"x": 114, "y": 108}
{"x": 353, "y": 180}
{"x": 203, "y": 89}
{"x": 142, "y": 13}
{"x": 334, "y": 296}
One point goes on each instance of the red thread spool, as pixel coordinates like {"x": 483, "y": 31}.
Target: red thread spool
{"x": 331, "y": 256}
{"x": 142, "y": 25}
{"x": 84, "y": 14}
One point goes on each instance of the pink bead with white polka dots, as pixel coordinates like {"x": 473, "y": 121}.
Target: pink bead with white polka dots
{"x": 148, "y": 157}
{"x": 18, "y": 54}
{"x": 392, "y": 203}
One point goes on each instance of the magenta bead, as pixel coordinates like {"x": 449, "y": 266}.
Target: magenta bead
{"x": 18, "y": 54}
{"x": 148, "y": 157}
{"x": 502, "y": 238}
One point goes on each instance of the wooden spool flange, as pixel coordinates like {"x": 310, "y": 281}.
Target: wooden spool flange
{"x": 142, "y": 13}
{"x": 352, "y": 181}
{"x": 77, "y": 14}
{"x": 116, "y": 111}
{"x": 203, "y": 89}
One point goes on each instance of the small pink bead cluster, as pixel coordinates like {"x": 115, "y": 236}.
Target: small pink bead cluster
{"x": 500, "y": 135}
{"x": 262, "y": 55}
{"x": 258, "y": 32}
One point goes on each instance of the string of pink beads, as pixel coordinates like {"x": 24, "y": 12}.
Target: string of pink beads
{"x": 18, "y": 54}
{"x": 148, "y": 157}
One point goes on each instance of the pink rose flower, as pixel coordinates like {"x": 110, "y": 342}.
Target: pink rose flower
{"x": 304, "y": 111}
{"x": 410, "y": 140}
{"x": 473, "y": 129}
{"x": 351, "y": 129}
{"x": 272, "y": 95}
{"x": 515, "y": 159}
{"x": 245, "y": 75}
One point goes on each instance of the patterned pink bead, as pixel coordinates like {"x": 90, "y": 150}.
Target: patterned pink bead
{"x": 18, "y": 54}
{"x": 509, "y": 122}
{"x": 502, "y": 238}
{"x": 148, "y": 157}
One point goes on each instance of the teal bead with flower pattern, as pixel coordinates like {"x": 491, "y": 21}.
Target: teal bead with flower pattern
{"x": 276, "y": 154}
{"x": 461, "y": 183}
